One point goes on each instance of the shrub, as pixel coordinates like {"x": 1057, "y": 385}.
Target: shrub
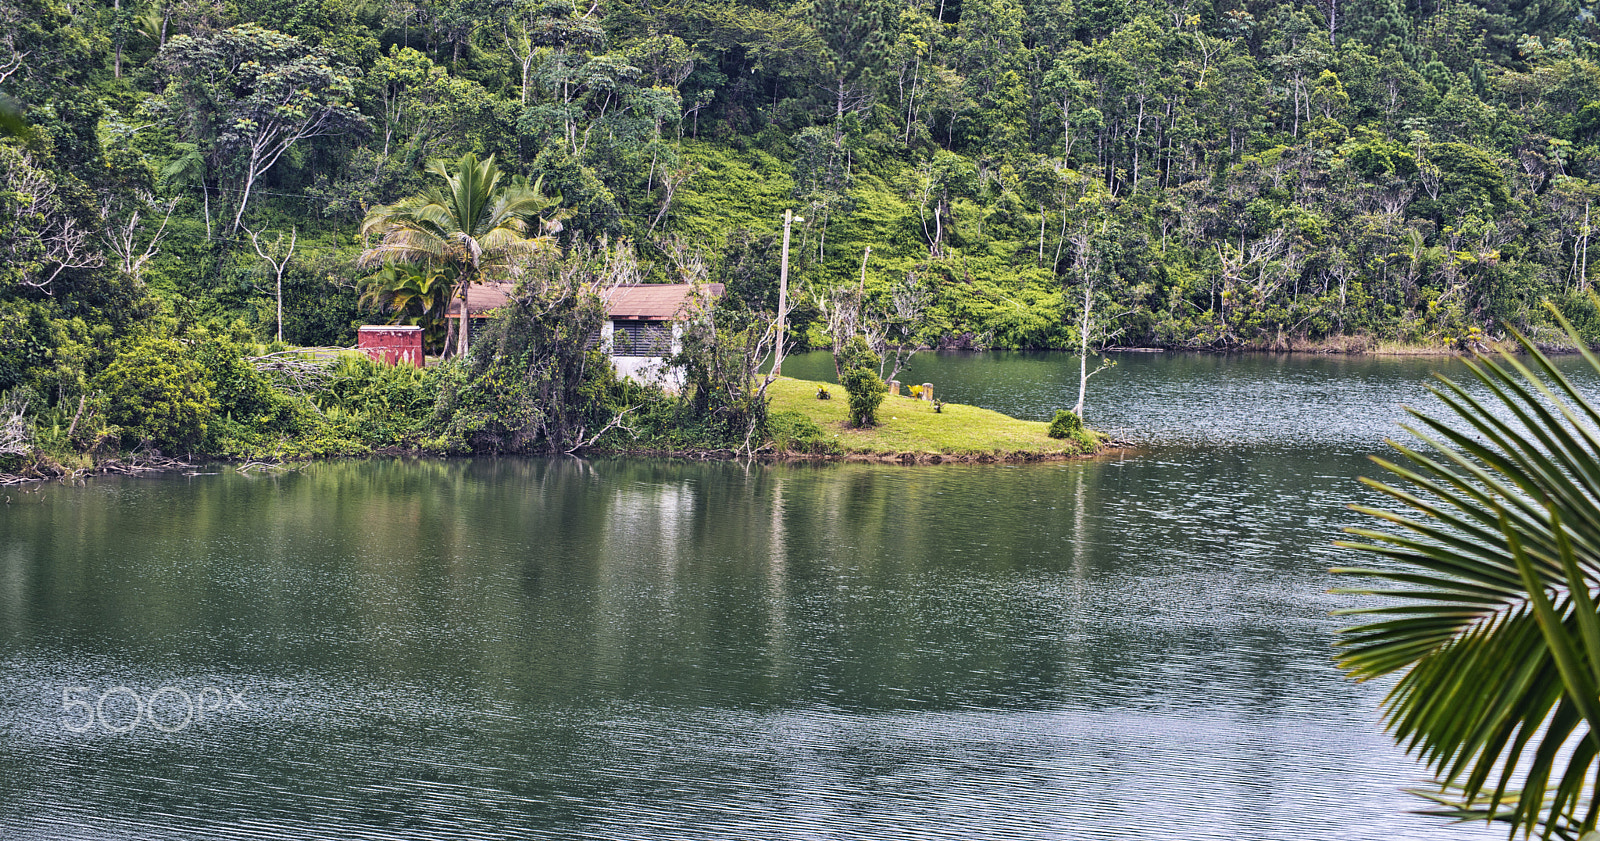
{"x": 253, "y": 419}
{"x": 158, "y": 392}
{"x": 866, "y": 394}
{"x": 856, "y": 353}
{"x": 861, "y": 382}
{"x": 383, "y": 405}
{"x": 796, "y": 432}
{"x": 528, "y": 384}
{"x": 1066, "y": 424}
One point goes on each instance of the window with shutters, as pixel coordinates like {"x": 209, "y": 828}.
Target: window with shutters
{"x": 641, "y": 338}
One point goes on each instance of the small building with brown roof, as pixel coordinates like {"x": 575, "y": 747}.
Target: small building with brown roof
{"x": 643, "y": 326}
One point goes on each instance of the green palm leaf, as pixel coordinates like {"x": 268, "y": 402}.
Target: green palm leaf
{"x": 1488, "y": 613}
{"x": 475, "y": 225}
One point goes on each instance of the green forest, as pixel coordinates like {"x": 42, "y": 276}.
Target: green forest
{"x": 1234, "y": 174}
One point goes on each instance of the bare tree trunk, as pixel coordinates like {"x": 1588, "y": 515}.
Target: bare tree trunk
{"x": 1583, "y": 268}
{"x": 116, "y": 63}
{"x": 279, "y": 264}
{"x": 783, "y": 296}
{"x": 911, "y": 104}
{"x": 1138, "y": 134}
{"x": 1083, "y": 346}
{"x": 244, "y": 198}
{"x": 466, "y": 325}
{"x": 1040, "y": 259}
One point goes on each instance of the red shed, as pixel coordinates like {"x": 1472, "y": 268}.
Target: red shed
{"x": 391, "y": 344}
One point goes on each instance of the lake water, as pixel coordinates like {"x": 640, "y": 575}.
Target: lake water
{"x": 1135, "y": 648}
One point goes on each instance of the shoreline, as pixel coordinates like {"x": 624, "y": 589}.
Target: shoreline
{"x": 1336, "y": 346}
{"x": 953, "y": 433}
{"x": 765, "y": 455}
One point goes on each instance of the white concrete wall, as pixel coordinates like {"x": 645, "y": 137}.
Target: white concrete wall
{"x": 648, "y": 370}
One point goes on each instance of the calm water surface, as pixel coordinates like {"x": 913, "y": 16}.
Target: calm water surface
{"x": 1131, "y": 648}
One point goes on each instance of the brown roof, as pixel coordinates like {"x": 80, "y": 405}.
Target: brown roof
{"x": 654, "y": 301}
{"x": 482, "y": 297}
{"x": 636, "y": 301}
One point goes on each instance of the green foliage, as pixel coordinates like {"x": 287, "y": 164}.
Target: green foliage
{"x": 1263, "y": 177}
{"x": 156, "y": 391}
{"x": 1492, "y": 630}
{"x": 412, "y": 295}
{"x": 530, "y": 386}
{"x": 856, "y": 352}
{"x": 796, "y": 432}
{"x": 247, "y": 95}
{"x": 252, "y": 417}
{"x": 471, "y": 228}
{"x": 1068, "y": 426}
{"x": 861, "y": 381}
{"x": 722, "y": 351}
{"x": 379, "y": 405}
{"x": 1065, "y": 424}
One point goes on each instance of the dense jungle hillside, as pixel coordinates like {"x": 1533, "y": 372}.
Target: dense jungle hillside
{"x": 1236, "y": 173}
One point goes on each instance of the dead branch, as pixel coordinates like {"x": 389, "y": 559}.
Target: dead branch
{"x": 294, "y": 370}
{"x": 56, "y": 242}
{"x": 262, "y": 467}
{"x": 616, "y": 422}
{"x": 278, "y": 257}
{"x": 16, "y": 433}
{"x": 10, "y": 67}
{"x": 122, "y": 238}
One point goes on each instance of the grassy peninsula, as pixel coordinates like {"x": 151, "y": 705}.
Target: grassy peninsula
{"x": 909, "y": 429}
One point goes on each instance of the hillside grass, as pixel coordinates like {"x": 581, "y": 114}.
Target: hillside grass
{"x": 910, "y": 428}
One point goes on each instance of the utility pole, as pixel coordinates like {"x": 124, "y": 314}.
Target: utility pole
{"x": 783, "y": 295}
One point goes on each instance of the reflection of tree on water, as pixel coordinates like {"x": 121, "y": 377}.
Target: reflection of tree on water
{"x": 614, "y": 632}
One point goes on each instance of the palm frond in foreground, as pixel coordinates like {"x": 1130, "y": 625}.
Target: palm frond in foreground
{"x": 1488, "y": 587}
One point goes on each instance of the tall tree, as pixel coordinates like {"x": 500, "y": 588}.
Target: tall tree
{"x": 857, "y": 38}
{"x": 247, "y": 95}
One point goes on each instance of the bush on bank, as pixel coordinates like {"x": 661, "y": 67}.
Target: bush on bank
{"x": 530, "y": 384}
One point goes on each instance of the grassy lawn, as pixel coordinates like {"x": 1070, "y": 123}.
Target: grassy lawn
{"x": 911, "y": 426}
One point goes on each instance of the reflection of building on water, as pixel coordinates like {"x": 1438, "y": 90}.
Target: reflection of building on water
{"x": 648, "y": 523}
{"x": 645, "y": 536}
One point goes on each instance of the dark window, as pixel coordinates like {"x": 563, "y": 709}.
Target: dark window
{"x": 641, "y": 338}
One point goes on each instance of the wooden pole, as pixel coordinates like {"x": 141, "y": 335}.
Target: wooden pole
{"x": 783, "y": 296}
{"x": 861, "y": 290}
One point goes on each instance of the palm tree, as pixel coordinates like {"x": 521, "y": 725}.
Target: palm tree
{"x": 1488, "y": 589}
{"x": 412, "y": 295}
{"x": 473, "y": 225}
